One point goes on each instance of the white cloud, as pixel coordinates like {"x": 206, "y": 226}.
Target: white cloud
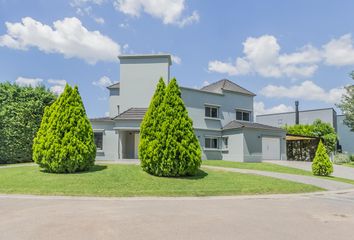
{"x": 58, "y": 85}
{"x": 307, "y": 90}
{"x": 205, "y": 83}
{"x": 259, "y": 108}
{"x": 169, "y": 11}
{"x": 124, "y": 25}
{"x": 176, "y": 59}
{"x": 103, "y": 82}
{"x": 339, "y": 52}
{"x": 262, "y": 56}
{"x": 28, "y": 82}
{"x": 99, "y": 20}
{"x": 68, "y": 37}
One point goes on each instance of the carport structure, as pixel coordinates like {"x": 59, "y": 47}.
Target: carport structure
{"x": 301, "y": 148}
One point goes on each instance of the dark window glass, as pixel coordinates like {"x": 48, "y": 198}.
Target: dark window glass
{"x": 98, "y": 140}
{"x": 215, "y": 143}
{"x": 246, "y": 116}
{"x": 207, "y": 143}
{"x": 211, "y": 143}
{"x": 207, "y": 111}
{"x": 238, "y": 115}
{"x": 214, "y": 112}
{"x": 226, "y": 142}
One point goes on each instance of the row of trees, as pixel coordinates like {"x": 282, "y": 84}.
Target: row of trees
{"x": 168, "y": 145}
{"x": 21, "y": 111}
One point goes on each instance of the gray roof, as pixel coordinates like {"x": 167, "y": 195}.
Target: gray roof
{"x": 114, "y": 86}
{"x": 132, "y": 113}
{"x": 225, "y": 84}
{"x": 142, "y": 56}
{"x": 238, "y": 124}
{"x": 99, "y": 119}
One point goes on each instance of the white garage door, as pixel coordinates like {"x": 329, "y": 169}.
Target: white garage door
{"x": 271, "y": 148}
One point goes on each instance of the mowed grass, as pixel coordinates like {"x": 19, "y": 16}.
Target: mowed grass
{"x": 351, "y": 164}
{"x": 129, "y": 180}
{"x": 270, "y": 167}
{"x": 262, "y": 166}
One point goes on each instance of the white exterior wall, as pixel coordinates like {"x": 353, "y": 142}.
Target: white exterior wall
{"x": 138, "y": 80}
{"x": 236, "y": 145}
{"x": 110, "y": 140}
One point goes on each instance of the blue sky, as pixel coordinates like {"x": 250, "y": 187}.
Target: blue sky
{"x": 281, "y": 50}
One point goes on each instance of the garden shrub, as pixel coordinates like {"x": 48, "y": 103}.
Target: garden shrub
{"x": 174, "y": 150}
{"x": 351, "y": 158}
{"x": 340, "y": 158}
{"x": 21, "y": 111}
{"x": 321, "y": 165}
{"x": 65, "y": 142}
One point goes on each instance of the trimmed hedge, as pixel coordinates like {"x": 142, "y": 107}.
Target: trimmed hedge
{"x": 65, "y": 142}
{"x": 169, "y": 147}
{"x": 321, "y": 165}
{"x": 21, "y": 111}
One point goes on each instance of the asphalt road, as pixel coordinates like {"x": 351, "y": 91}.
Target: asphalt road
{"x": 315, "y": 216}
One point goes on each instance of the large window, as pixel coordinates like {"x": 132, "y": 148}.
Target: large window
{"x": 98, "y": 140}
{"x": 243, "y": 115}
{"x": 211, "y": 142}
{"x": 211, "y": 111}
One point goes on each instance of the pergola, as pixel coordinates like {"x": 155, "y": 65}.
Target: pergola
{"x": 301, "y": 148}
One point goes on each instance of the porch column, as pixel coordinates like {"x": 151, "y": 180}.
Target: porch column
{"x": 120, "y": 147}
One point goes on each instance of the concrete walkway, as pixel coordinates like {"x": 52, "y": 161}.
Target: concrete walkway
{"x": 315, "y": 181}
{"x": 338, "y": 170}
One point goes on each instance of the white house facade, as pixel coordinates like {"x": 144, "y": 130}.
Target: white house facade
{"x": 222, "y": 114}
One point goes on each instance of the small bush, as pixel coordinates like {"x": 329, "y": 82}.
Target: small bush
{"x": 351, "y": 158}
{"x": 321, "y": 164}
{"x": 340, "y": 158}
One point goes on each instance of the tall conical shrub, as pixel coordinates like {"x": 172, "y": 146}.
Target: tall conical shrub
{"x": 64, "y": 142}
{"x": 177, "y": 149}
{"x": 149, "y": 129}
{"x": 321, "y": 165}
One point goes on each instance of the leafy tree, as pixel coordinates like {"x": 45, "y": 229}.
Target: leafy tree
{"x": 321, "y": 164}
{"x": 64, "y": 142}
{"x": 347, "y": 105}
{"x": 21, "y": 111}
{"x": 179, "y": 152}
{"x": 150, "y": 128}
{"x": 318, "y": 129}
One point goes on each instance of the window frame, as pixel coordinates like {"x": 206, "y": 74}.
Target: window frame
{"x": 211, "y": 107}
{"x": 223, "y": 145}
{"x": 95, "y": 133}
{"x": 211, "y": 139}
{"x": 243, "y": 112}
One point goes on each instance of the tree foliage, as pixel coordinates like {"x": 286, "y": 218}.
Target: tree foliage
{"x": 149, "y": 129}
{"x": 21, "y": 111}
{"x": 174, "y": 149}
{"x": 65, "y": 142}
{"x": 321, "y": 164}
{"x": 347, "y": 105}
{"x": 318, "y": 129}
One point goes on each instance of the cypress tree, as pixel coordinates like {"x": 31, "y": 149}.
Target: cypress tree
{"x": 149, "y": 128}
{"x": 321, "y": 164}
{"x": 178, "y": 151}
{"x": 64, "y": 142}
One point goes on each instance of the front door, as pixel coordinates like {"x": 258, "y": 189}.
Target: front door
{"x": 136, "y": 145}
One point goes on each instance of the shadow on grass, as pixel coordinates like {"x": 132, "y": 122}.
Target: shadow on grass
{"x": 199, "y": 175}
{"x": 95, "y": 168}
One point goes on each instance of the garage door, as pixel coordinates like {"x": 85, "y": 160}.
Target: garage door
{"x": 271, "y": 148}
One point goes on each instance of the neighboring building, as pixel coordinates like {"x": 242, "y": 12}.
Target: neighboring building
{"x": 328, "y": 115}
{"x": 222, "y": 114}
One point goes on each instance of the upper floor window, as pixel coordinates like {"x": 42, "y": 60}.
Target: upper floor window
{"x": 211, "y": 111}
{"x": 243, "y": 115}
{"x": 98, "y": 136}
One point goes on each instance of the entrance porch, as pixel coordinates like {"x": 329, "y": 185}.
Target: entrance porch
{"x": 128, "y": 144}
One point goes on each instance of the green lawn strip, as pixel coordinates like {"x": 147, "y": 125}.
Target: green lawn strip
{"x": 351, "y": 164}
{"x": 129, "y": 180}
{"x": 270, "y": 167}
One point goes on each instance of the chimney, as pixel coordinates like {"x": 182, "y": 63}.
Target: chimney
{"x": 296, "y": 112}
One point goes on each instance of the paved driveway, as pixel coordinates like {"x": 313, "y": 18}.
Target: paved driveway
{"x": 338, "y": 170}
{"x": 320, "y": 216}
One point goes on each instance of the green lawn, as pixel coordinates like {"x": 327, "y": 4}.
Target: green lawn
{"x": 270, "y": 167}
{"x": 351, "y": 164}
{"x": 130, "y": 180}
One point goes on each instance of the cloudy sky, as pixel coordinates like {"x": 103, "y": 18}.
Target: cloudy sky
{"x": 281, "y": 50}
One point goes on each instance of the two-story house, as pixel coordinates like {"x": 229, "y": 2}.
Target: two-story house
{"x": 222, "y": 115}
